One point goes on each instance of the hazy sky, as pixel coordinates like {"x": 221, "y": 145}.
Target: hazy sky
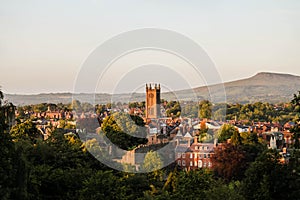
{"x": 44, "y": 43}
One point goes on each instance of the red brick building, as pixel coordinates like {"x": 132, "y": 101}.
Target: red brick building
{"x": 195, "y": 155}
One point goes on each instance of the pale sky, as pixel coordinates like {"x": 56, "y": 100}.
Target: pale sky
{"x": 43, "y": 44}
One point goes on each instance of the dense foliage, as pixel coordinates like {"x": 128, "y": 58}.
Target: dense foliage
{"x": 61, "y": 168}
{"x": 124, "y": 130}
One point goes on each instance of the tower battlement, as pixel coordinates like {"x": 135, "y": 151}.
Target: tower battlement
{"x": 152, "y": 87}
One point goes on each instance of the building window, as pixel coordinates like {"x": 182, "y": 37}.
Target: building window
{"x": 179, "y": 162}
{"x": 183, "y": 163}
{"x": 196, "y": 147}
{"x": 191, "y": 155}
{"x": 209, "y": 164}
{"x": 204, "y": 164}
{"x": 199, "y": 155}
{"x": 195, "y": 156}
{"x": 191, "y": 163}
{"x": 199, "y": 163}
{"x": 178, "y": 155}
{"x": 195, "y": 163}
{"x": 204, "y": 155}
{"x": 208, "y": 155}
{"x": 183, "y": 155}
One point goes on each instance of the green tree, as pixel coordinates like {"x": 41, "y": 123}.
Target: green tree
{"x": 192, "y": 185}
{"x": 135, "y": 185}
{"x": 173, "y": 109}
{"x": 100, "y": 108}
{"x": 226, "y": 132}
{"x": 152, "y": 162}
{"x": 42, "y": 107}
{"x": 7, "y": 151}
{"x": 266, "y": 178}
{"x": 121, "y": 129}
{"x": 102, "y": 185}
{"x": 133, "y": 104}
{"x": 58, "y": 167}
{"x": 225, "y": 191}
{"x": 26, "y": 131}
{"x": 76, "y": 105}
{"x": 236, "y": 138}
{"x": 296, "y": 129}
{"x": 23, "y": 147}
{"x": 205, "y": 109}
{"x": 25, "y": 135}
{"x": 87, "y": 107}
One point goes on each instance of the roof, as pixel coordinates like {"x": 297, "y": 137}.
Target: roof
{"x": 187, "y": 135}
{"x": 179, "y": 134}
{"x": 182, "y": 149}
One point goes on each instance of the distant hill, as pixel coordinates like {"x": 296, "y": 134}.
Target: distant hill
{"x": 264, "y": 87}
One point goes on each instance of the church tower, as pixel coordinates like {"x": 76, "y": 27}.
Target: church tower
{"x": 152, "y": 101}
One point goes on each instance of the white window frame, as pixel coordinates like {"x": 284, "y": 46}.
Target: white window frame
{"x": 199, "y": 163}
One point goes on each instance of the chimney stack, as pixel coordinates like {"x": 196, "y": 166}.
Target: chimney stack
{"x": 196, "y": 140}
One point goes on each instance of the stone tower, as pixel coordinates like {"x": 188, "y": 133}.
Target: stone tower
{"x": 152, "y": 101}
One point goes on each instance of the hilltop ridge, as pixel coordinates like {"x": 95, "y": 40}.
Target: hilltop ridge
{"x": 263, "y": 86}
